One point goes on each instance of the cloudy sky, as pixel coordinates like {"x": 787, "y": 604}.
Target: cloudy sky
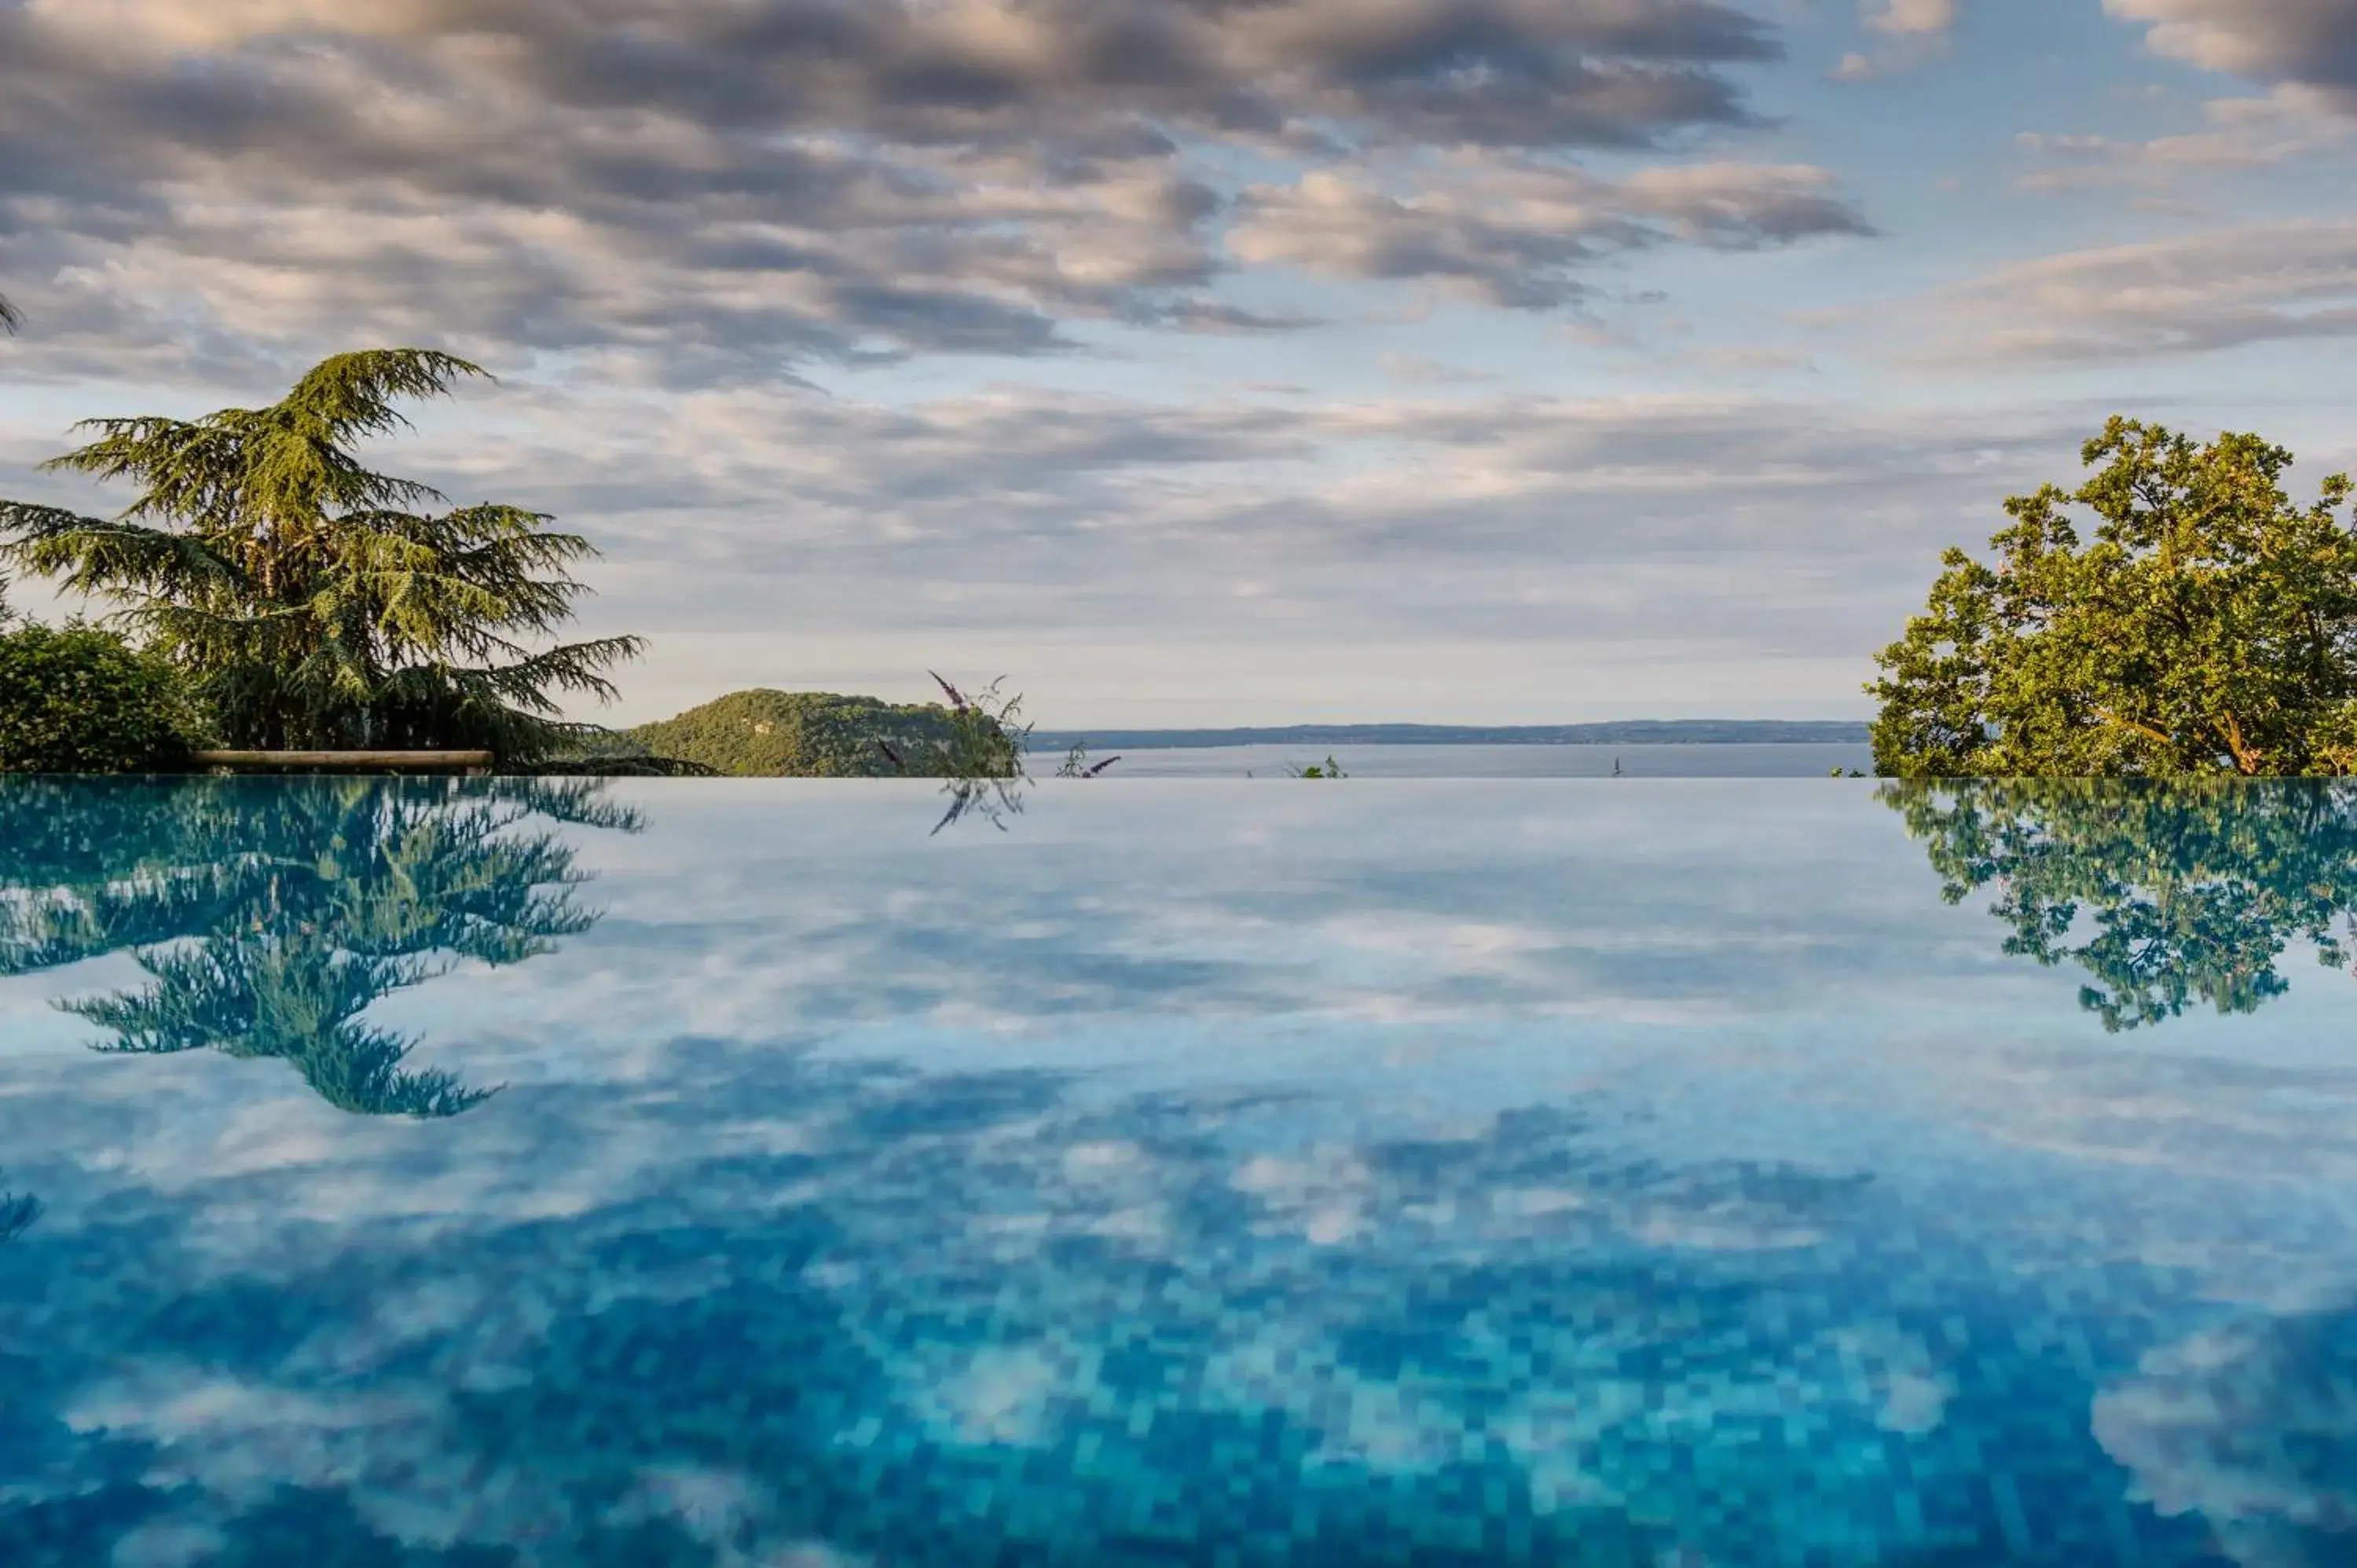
{"x": 1200, "y": 361}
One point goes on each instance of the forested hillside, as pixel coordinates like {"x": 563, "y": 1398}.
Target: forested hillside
{"x": 823, "y": 734}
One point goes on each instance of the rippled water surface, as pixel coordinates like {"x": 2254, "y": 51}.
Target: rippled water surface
{"x": 1441, "y": 1172}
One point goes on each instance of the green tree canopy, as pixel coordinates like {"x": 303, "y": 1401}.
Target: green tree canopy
{"x": 800, "y": 734}
{"x": 310, "y": 600}
{"x": 269, "y": 915}
{"x": 2208, "y": 626}
{"x": 80, "y": 700}
{"x": 2168, "y": 895}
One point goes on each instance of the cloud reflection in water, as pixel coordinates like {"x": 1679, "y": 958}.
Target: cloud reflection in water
{"x": 1543, "y": 1174}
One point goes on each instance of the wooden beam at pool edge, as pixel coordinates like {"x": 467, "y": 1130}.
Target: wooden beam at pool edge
{"x": 474, "y": 763}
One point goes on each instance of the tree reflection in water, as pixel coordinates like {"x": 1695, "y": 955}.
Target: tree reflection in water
{"x": 18, "y": 1214}
{"x": 269, "y": 915}
{"x": 2167, "y": 895}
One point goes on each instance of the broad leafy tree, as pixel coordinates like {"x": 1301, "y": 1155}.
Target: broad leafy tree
{"x": 314, "y": 602}
{"x": 2168, "y": 895}
{"x": 2205, "y": 624}
{"x": 269, "y": 916}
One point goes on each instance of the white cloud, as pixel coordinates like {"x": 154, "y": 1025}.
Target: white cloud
{"x": 1910, "y": 19}
{"x": 2244, "y": 133}
{"x": 1913, "y": 32}
{"x": 2221, "y": 1424}
{"x": 2219, "y": 289}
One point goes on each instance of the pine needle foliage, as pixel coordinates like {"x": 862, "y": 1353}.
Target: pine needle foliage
{"x": 314, "y": 602}
{"x": 268, "y": 918}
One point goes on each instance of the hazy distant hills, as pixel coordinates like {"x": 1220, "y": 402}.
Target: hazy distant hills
{"x": 1625, "y": 732}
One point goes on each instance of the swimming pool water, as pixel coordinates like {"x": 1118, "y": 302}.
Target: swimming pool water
{"x": 1449, "y": 1172}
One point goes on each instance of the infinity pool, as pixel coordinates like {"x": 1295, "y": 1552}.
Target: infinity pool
{"x": 1661, "y": 1174}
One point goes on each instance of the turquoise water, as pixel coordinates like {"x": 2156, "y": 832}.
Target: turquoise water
{"x": 1403, "y": 1171}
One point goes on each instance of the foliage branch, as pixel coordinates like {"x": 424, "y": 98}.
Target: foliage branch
{"x": 2168, "y": 895}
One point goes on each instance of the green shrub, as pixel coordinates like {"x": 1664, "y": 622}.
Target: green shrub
{"x": 80, "y": 700}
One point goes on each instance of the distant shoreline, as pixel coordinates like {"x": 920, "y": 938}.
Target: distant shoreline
{"x": 1630, "y": 732}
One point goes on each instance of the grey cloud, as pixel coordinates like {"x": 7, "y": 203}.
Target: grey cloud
{"x": 1576, "y": 71}
{"x": 1515, "y": 234}
{"x": 1331, "y": 225}
{"x": 2309, "y": 42}
{"x": 1422, "y": 370}
{"x": 714, "y": 188}
{"x": 1738, "y": 206}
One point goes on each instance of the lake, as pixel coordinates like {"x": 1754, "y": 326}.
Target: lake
{"x": 760, "y": 1175}
{"x": 1481, "y": 761}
